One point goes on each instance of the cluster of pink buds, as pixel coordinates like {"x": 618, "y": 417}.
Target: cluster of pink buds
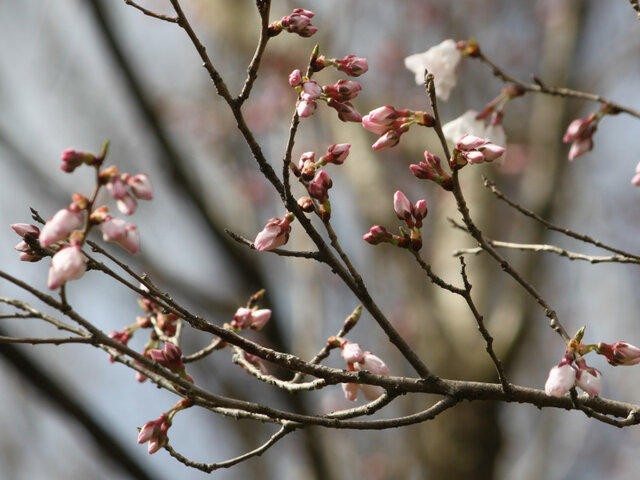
{"x": 351, "y": 65}
{"x": 357, "y": 360}
{"x": 337, "y": 96}
{"x": 580, "y": 134}
{"x": 65, "y": 232}
{"x": 252, "y": 318}
{"x": 275, "y": 233}
{"x": 125, "y": 188}
{"x": 317, "y": 181}
{"x": 299, "y": 21}
{"x": 473, "y": 150}
{"x": 155, "y": 431}
{"x": 431, "y": 169}
{"x": 412, "y": 216}
{"x": 390, "y": 124}
{"x": 170, "y": 357}
{"x": 564, "y": 375}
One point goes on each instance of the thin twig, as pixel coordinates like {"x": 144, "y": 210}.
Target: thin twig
{"x": 550, "y": 226}
{"x": 252, "y": 71}
{"x": 488, "y": 339}
{"x": 540, "y": 87}
{"x": 159, "y": 16}
{"x": 210, "y": 467}
{"x": 435, "y": 278}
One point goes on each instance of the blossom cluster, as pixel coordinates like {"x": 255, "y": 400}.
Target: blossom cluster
{"x": 573, "y": 370}
{"x": 412, "y": 216}
{"x": 63, "y": 235}
{"x": 358, "y": 360}
{"x": 338, "y": 96}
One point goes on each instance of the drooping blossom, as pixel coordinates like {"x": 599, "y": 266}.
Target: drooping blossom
{"x": 60, "y": 226}
{"x": 123, "y": 233}
{"x": 140, "y": 186}
{"x": 358, "y": 360}
{"x": 274, "y": 234}
{"x": 580, "y": 134}
{"x": 346, "y": 111}
{"x": 560, "y": 380}
{"x": 589, "y": 380}
{"x": 67, "y": 264}
{"x": 155, "y": 432}
{"x": 441, "y": 61}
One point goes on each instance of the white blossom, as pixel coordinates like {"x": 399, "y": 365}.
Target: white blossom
{"x": 441, "y": 61}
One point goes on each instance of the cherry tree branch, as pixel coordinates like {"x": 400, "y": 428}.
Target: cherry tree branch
{"x": 540, "y": 87}
{"x": 150, "y": 13}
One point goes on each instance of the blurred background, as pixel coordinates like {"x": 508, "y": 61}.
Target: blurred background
{"x": 74, "y": 73}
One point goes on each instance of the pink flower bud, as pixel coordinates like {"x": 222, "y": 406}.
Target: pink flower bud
{"x": 474, "y": 157}
{"x": 635, "y": 181}
{"x": 310, "y": 91}
{"x": 420, "y": 210}
{"x": 401, "y": 205}
{"x": 352, "y": 65}
{"x": 170, "y": 357}
{"x": 342, "y": 90}
{"x": 124, "y": 234}
{"x": 274, "y": 234}
{"x": 68, "y": 264}
{"x": 580, "y": 133}
{"x": 23, "y": 229}
{"x": 380, "y": 120}
{"x": 155, "y": 432}
{"x": 560, "y": 380}
{"x": 259, "y": 319}
{"x": 375, "y": 365}
{"x": 295, "y": 78}
{"x": 126, "y": 204}
{"x": 377, "y": 234}
{"x": 352, "y": 353}
{"x": 60, "y": 226}
{"x": 337, "y": 153}
{"x": 72, "y": 159}
{"x": 619, "y": 353}
{"x": 141, "y": 186}
{"x": 320, "y": 185}
{"x": 346, "y": 111}
{"x": 299, "y": 22}
{"x": 389, "y": 139}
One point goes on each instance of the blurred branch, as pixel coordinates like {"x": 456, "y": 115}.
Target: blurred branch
{"x": 550, "y": 226}
{"x": 540, "y": 87}
{"x": 537, "y": 247}
{"x": 636, "y": 7}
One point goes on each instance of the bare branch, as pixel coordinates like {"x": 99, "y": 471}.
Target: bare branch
{"x": 159, "y": 16}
